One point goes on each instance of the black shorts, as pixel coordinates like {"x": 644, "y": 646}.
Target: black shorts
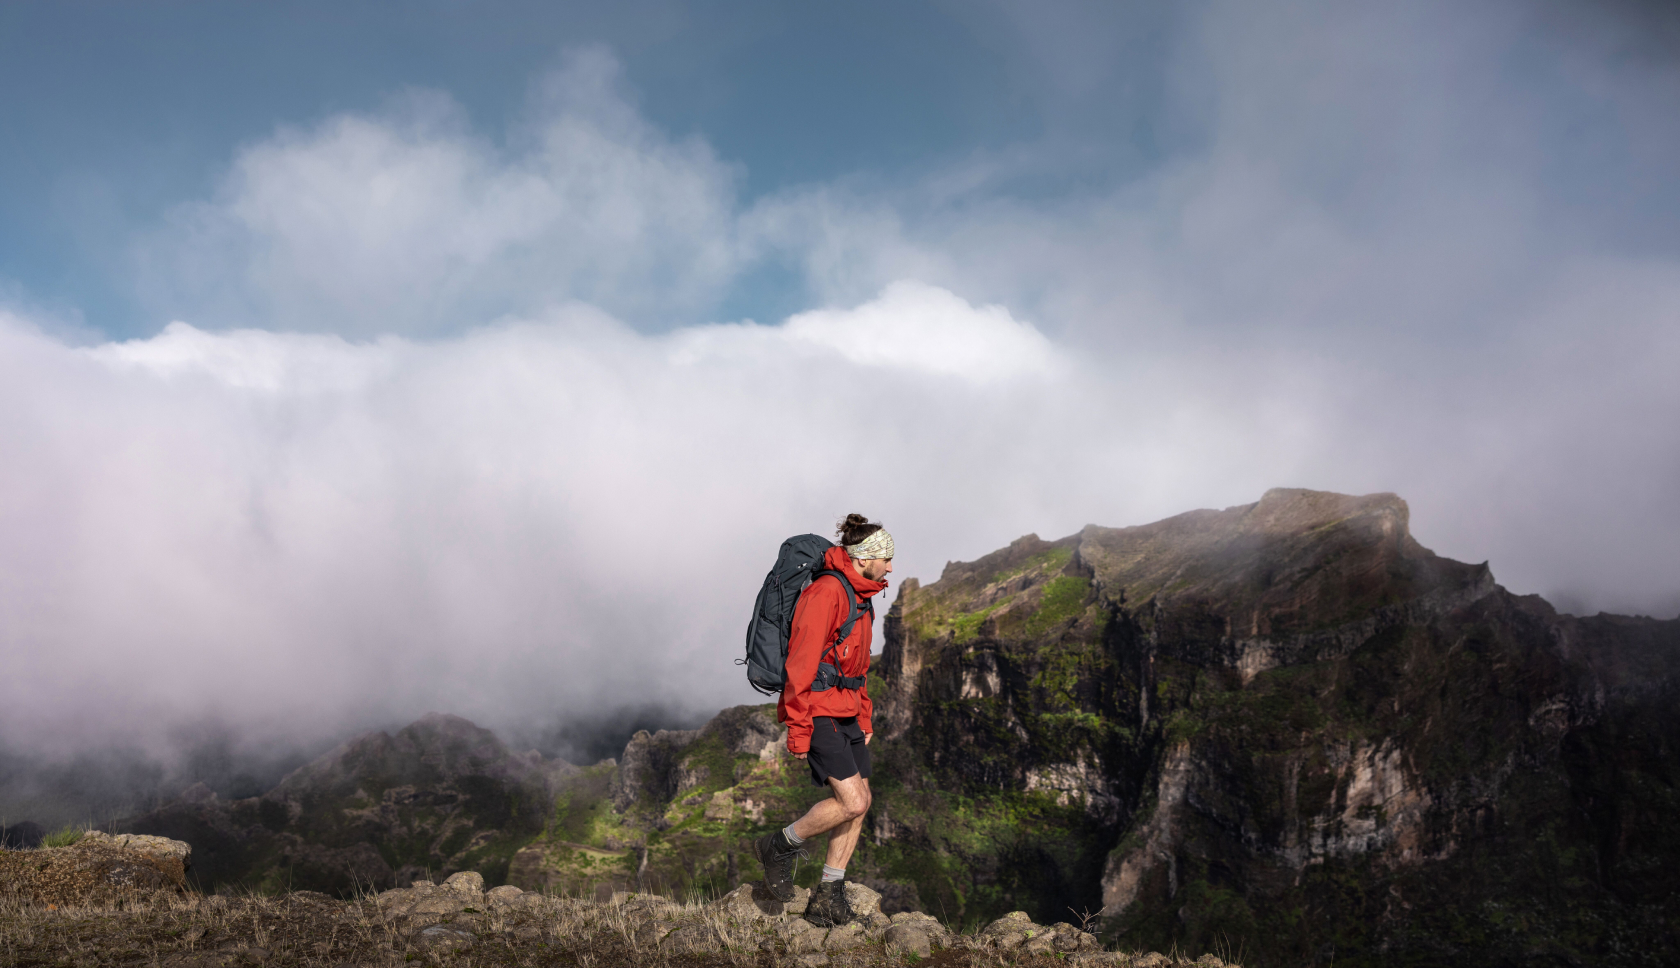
{"x": 838, "y": 750}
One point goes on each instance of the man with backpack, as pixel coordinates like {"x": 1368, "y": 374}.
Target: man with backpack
{"x": 825, "y": 704}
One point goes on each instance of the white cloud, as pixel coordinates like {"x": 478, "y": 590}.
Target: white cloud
{"x": 408, "y": 222}
{"x": 298, "y": 532}
{"x": 910, "y": 326}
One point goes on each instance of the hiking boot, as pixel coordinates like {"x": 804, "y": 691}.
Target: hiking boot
{"x": 828, "y": 907}
{"x": 777, "y": 855}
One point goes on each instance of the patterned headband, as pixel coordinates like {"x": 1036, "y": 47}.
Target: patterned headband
{"x": 877, "y": 545}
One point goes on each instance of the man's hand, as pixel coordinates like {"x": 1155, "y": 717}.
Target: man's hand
{"x": 799, "y": 756}
{"x": 867, "y": 737}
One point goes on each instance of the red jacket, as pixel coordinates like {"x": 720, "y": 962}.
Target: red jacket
{"x": 816, "y": 621}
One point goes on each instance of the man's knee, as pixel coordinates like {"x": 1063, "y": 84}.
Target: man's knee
{"x": 853, "y": 797}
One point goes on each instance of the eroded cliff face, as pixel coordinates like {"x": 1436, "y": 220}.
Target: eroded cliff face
{"x": 1290, "y": 724}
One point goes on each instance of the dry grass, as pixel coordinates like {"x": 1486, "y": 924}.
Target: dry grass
{"x": 160, "y": 928}
{"x": 174, "y": 929}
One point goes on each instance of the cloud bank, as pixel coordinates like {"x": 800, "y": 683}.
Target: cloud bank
{"x": 288, "y": 531}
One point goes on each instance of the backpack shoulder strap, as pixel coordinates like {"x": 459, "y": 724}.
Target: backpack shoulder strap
{"x": 853, "y": 609}
{"x": 828, "y": 673}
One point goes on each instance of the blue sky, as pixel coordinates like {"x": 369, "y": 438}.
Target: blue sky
{"x": 344, "y": 338}
{"x": 128, "y": 109}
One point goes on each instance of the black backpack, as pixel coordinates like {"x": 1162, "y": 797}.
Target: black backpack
{"x": 798, "y": 564}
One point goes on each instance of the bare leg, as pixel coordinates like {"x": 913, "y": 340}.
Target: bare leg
{"x": 840, "y": 816}
{"x": 842, "y": 840}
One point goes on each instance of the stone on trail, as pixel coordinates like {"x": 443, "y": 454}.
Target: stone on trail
{"x": 1011, "y": 931}
{"x": 1068, "y": 939}
{"x": 749, "y": 902}
{"x": 466, "y": 882}
{"x": 862, "y": 899}
{"x": 440, "y": 901}
{"x": 800, "y": 936}
{"x": 846, "y": 936}
{"x": 911, "y": 937}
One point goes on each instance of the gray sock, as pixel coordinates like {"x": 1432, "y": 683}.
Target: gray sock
{"x": 792, "y": 837}
{"x": 833, "y": 873}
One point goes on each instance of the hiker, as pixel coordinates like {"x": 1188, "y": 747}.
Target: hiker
{"x": 825, "y": 704}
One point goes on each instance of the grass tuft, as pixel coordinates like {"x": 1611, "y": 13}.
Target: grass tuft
{"x": 63, "y": 836}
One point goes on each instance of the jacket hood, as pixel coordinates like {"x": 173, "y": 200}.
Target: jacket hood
{"x": 836, "y": 559}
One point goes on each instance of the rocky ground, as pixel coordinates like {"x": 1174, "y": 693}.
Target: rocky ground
{"x": 111, "y": 901}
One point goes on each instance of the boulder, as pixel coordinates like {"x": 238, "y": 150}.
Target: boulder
{"x": 1068, "y": 939}
{"x": 466, "y": 882}
{"x": 911, "y": 937}
{"x": 439, "y": 902}
{"x": 845, "y": 936}
{"x": 93, "y": 872}
{"x": 863, "y": 900}
{"x": 800, "y": 936}
{"x": 749, "y": 902}
{"x": 160, "y": 847}
{"x": 874, "y": 925}
{"x": 1010, "y": 931}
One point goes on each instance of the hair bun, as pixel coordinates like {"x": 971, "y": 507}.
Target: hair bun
{"x": 855, "y": 528}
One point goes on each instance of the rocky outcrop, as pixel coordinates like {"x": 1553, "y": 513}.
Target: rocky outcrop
{"x": 380, "y": 810}
{"x": 1289, "y": 723}
{"x": 96, "y": 869}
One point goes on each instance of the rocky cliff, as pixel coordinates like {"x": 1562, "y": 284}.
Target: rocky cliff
{"x": 1289, "y": 725}
{"x": 438, "y": 796}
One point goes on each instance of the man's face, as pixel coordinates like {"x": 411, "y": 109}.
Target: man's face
{"x": 875, "y": 569}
